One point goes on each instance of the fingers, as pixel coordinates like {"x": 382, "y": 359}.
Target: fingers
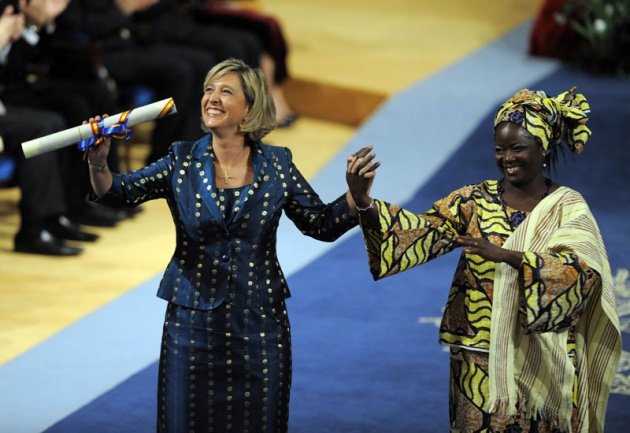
{"x": 466, "y": 240}
{"x": 360, "y": 163}
{"x": 369, "y": 171}
{"x": 363, "y": 152}
{"x": 472, "y": 245}
{"x": 362, "y": 166}
{"x": 96, "y": 119}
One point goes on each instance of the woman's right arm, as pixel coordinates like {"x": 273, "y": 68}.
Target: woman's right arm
{"x": 100, "y": 176}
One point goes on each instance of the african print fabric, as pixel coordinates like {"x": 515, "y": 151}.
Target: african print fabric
{"x": 468, "y": 370}
{"x": 553, "y": 285}
{"x": 551, "y": 120}
{"x": 533, "y": 370}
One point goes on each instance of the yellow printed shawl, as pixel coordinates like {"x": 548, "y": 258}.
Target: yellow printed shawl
{"x": 533, "y": 372}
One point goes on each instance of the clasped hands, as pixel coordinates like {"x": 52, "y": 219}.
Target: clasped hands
{"x": 360, "y": 174}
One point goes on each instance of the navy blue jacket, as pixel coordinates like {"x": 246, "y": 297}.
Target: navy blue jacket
{"x": 233, "y": 261}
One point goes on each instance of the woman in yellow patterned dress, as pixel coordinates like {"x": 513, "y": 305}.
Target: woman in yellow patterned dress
{"x": 531, "y": 318}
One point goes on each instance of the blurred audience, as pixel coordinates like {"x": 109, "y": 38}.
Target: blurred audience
{"x": 226, "y": 32}
{"x": 44, "y": 225}
{"x": 135, "y": 61}
{"x": 25, "y": 81}
{"x": 273, "y": 60}
{"x": 61, "y": 59}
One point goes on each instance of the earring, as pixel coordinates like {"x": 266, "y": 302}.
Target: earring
{"x": 544, "y": 165}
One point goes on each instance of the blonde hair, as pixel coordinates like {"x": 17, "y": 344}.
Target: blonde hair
{"x": 261, "y": 118}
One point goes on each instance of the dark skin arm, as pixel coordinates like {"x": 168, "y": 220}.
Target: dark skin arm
{"x": 488, "y": 251}
{"x": 360, "y": 177}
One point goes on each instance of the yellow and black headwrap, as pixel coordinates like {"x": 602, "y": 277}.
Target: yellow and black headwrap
{"x": 552, "y": 120}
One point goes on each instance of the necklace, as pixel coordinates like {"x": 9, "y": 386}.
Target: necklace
{"x": 226, "y": 173}
{"x": 518, "y": 216}
{"x": 226, "y": 176}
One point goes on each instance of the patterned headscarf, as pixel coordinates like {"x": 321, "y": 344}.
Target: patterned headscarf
{"x": 552, "y": 120}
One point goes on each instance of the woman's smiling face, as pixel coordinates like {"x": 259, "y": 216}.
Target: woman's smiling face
{"x": 517, "y": 153}
{"x": 223, "y": 105}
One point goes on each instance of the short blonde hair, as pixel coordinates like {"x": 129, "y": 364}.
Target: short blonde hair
{"x": 261, "y": 118}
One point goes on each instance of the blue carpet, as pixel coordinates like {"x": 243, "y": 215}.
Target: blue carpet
{"x": 366, "y": 357}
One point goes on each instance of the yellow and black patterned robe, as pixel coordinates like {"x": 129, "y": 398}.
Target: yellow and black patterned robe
{"x": 554, "y": 285}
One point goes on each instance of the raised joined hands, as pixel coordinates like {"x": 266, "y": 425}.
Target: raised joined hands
{"x": 360, "y": 175}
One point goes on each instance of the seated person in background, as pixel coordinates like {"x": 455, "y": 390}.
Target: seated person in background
{"x": 44, "y": 226}
{"x": 275, "y": 48}
{"x": 245, "y": 34}
{"x": 169, "y": 70}
{"x": 24, "y": 81}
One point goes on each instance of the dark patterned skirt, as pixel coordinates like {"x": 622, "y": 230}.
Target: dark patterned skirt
{"x": 225, "y": 370}
{"x": 469, "y": 392}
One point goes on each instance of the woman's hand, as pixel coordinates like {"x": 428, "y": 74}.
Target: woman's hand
{"x": 360, "y": 175}
{"x": 100, "y": 176}
{"x": 98, "y": 154}
{"x": 489, "y": 251}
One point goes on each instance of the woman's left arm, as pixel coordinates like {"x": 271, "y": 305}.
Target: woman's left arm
{"x": 489, "y": 251}
{"x": 322, "y": 221}
{"x": 555, "y": 288}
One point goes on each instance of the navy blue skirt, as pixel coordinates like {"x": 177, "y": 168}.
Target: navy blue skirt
{"x": 225, "y": 370}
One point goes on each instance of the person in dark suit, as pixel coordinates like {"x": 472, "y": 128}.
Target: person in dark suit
{"x": 226, "y": 348}
{"x": 43, "y": 207}
{"x": 44, "y": 225}
{"x": 268, "y": 29}
{"x": 26, "y": 82}
{"x": 134, "y": 60}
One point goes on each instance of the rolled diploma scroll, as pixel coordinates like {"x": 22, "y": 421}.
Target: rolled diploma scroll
{"x": 71, "y": 136}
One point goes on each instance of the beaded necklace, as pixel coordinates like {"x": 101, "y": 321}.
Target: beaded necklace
{"x": 517, "y": 216}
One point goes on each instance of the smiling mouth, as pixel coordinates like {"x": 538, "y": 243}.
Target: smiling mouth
{"x": 213, "y": 112}
{"x": 512, "y": 169}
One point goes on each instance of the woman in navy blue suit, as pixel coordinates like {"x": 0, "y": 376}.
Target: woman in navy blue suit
{"x": 225, "y": 361}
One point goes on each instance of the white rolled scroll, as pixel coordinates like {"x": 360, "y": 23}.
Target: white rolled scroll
{"x": 74, "y": 135}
